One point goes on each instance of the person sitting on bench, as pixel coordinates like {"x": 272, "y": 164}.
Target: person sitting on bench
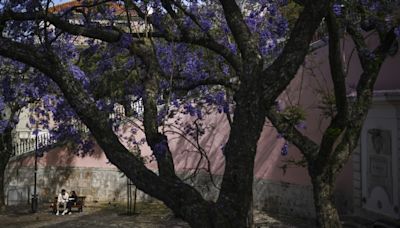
{"x": 71, "y": 200}
{"x": 62, "y": 201}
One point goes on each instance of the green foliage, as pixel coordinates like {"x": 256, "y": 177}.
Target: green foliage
{"x": 293, "y": 115}
{"x": 112, "y": 82}
{"x": 333, "y": 132}
{"x": 327, "y": 104}
{"x": 291, "y": 12}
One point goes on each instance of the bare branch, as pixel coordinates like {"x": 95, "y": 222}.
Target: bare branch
{"x": 106, "y": 34}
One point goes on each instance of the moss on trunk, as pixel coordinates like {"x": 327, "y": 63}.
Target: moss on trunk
{"x": 326, "y": 212}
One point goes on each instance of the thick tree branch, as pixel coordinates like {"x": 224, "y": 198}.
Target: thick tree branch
{"x": 308, "y": 147}
{"x": 278, "y": 76}
{"x": 157, "y": 141}
{"x": 240, "y": 31}
{"x": 336, "y": 68}
{"x": 17, "y": 51}
{"x": 299, "y": 2}
{"x": 191, "y": 16}
{"x": 338, "y": 141}
{"x": 361, "y": 45}
{"x": 257, "y": 93}
{"x": 112, "y": 34}
{"x": 337, "y": 130}
{"x": 180, "y": 197}
{"x": 105, "y": 34}
{"x": 184, "y": 86}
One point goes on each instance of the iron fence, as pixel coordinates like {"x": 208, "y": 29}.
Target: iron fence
{"x": 29, "y": 145}
{"x": 45, "y": 140}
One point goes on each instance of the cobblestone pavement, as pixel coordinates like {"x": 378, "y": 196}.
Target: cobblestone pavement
{"x": 150, "y": 215}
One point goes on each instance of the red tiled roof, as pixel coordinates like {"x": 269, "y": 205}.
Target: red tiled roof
{"x": 119, "y": 8}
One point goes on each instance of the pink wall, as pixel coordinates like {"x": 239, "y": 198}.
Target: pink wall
{"x": 313, "y": 76}
{"x": 64, "y": 156}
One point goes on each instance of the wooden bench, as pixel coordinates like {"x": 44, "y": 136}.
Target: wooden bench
{"x": 79, "y": 204}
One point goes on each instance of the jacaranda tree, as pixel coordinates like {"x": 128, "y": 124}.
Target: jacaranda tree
{"x": 187, "y": 54}
{"x": 20, "y": 86}
{"x": 8, "y": 119}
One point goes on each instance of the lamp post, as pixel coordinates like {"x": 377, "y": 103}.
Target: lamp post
{"x": 34, "y": 197}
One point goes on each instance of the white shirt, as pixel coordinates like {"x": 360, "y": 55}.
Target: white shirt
{"x": 63, "y": 198}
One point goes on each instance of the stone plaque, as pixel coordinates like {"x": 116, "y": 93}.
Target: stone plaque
{"x": 379, "y": 172}
{"x": 379, "y": 166}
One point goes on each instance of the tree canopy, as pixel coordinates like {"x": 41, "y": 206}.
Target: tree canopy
{"x": 183, "y": 56}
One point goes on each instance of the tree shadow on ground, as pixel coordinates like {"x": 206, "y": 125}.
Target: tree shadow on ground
{"x": 152, "y": 215}
{"x": 149, "y": 216}
{"x": 280, "y": 220}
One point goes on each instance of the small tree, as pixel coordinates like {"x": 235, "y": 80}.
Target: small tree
{"x": 5, "y": 148}
{"x": 17, "y": 90}
{"x": 325, "y": 159}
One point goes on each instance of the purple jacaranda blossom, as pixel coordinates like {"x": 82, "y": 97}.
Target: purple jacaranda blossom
{"x": 125, "y": 40}
{"x": 301, "y": 125}
{"x": 397, "y": 31}
{"x": 337, "y": 9}
{"x": 285, "y": 149}
{"x": 3, "y": 125}
{"x": 79, "y": 75}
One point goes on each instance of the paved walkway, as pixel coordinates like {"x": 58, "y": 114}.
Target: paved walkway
{"x": 151, "y": 215}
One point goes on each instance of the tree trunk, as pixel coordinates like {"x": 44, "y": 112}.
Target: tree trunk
{"x": 250, "y": 216}
{"x": 5, "y": 154}
{"x": 237, "y": 186}
{"x": 327, "y": 215}
{"x": 2, "y": 193}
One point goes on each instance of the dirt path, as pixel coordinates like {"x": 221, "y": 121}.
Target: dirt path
{"x": 151, "y": 215}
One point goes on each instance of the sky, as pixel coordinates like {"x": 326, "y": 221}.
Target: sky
{"x": 60, "y": 1}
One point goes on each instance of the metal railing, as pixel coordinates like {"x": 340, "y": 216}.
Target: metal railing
{"x": 29, "y": 145}
{"x": 119, "y": 111}
{"x": 45, "y": 140}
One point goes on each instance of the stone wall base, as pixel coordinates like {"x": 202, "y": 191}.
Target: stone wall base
{"x": 101, "y": 185}
{"x": 272, "y": 196}
{"x": 97, "y": 184}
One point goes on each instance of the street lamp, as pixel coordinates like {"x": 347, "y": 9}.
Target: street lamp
{"x": 34, "y": 196}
